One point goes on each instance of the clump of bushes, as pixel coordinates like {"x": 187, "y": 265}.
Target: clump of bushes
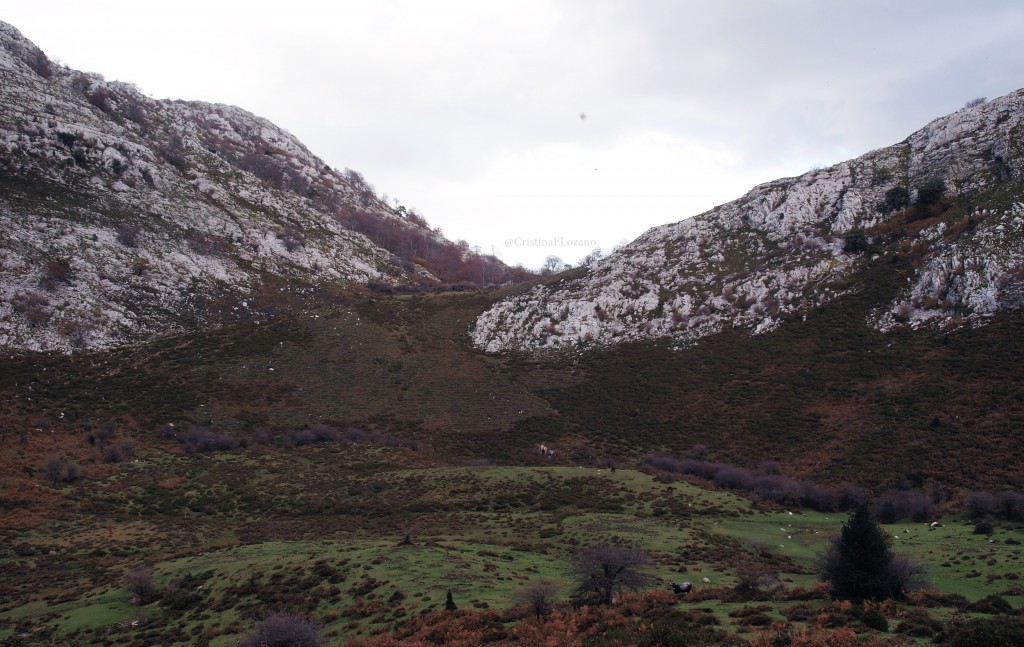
{"x": 985, "y": 526}
{"x": 60, "y": 470}
{"x": 893, "y": 505}
{"x": 318, "y": 434}
{"x": 182, "y": 593}
{"x": 282, "y": 630}
{"x": 918, "y": 623}
{"x": 327, "y": 434}
{"x": 896, "y": 198}
{"x": 1008, "y": 506}
{"x": 202, "y": 439}
{"x": 766, "y": 483}
{"x": 983, "y": 632}
{"x": 118, "y": 453}
{"x": 856, "y": 241}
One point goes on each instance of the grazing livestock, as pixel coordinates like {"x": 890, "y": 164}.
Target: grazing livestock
{"x": 681, "y": 588}
{"x": 706, "y": 580}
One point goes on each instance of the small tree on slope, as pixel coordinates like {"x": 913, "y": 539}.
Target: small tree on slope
{"x": 860, "y": 565}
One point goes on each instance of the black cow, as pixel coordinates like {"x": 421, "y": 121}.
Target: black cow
{"x": 681, "y": 588}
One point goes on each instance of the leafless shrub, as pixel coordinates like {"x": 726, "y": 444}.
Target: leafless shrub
{"x": 34, "y": 307}
{"x": 734, "y": 477}
{"x": 282, "y": 630}
{"x": 205, "y": 244}
{"x": 291, "y": 237}
{"x": 664, "y": 462}
{"x": 100, "y": 98}
{"x": 538, "y": 596}
{"x": 139, "y": 580}
{"x": 133, "y": 111}
{"x": 173, "y": 151}
{"x": 104, "y": 433}
{"x": 118, "y": 453}
{"x": 754, "y": 578}
{"x": 201, "y": 439}
{"x": 80, "y": 82}
{"x": 1011, "y": 505}
{"x": 760, "y": 548}
{"x": 55, "y": 274}
{"x": 32, "y": 56}
{"x": 318, "y": 434}
{"x": 59, "y": 470}
{"x": 980, "y": 503}
{"x": 903, "y": 312}
{"x": 908, "y": 575}
{"x": 128, "y": 235}
{"x": 893, "y": 505}
{"x": 257, "y": 437}
{"x": 699, "y": 452}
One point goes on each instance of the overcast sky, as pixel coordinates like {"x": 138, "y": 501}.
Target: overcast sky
{"x": 587, "y": 120}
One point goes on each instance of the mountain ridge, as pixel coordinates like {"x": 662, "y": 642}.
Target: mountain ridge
{"x": 130, "y": 217}
{"x": 778, "y": 250}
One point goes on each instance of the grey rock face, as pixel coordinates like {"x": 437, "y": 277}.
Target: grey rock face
{"x": 784, "y": 247}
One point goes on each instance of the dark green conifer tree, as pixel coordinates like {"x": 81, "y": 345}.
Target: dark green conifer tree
{"x": 859, "y": 564}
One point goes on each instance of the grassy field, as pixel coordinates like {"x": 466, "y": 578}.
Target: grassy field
{"x": 319, "y": 530}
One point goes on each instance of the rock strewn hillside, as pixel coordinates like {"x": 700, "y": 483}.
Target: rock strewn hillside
{"x": 786, "y": 246}
{"x": 125, "y": 217}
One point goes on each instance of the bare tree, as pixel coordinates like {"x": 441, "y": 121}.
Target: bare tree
{"x": 539, "y": 596}
{"x": 606, "y": 571}
{"x": 595, "y": 255}
{"x": 139, "y": 580}
{"x": 552, "y": 265}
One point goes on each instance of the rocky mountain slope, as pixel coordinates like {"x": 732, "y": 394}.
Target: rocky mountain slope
{"x": 125, "y": 217}
{"x": 948, "y": 200}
